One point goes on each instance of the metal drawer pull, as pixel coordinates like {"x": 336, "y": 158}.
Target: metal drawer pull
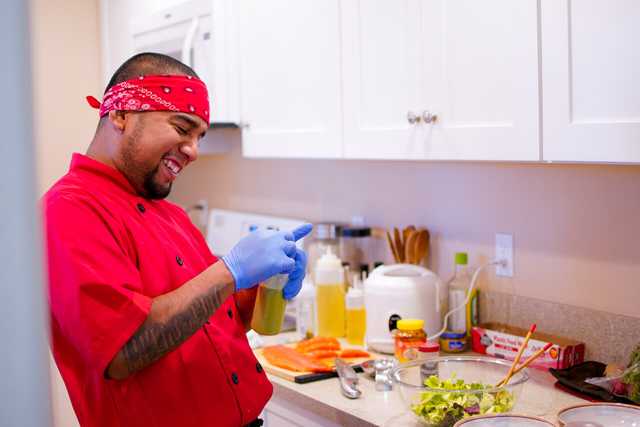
{"x": 412, "y": 118}
{"x": 427, "y": 117}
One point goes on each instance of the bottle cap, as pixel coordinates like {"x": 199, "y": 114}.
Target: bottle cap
{"x": 410, "y": 324}
{"x": 356, "y": 231}
{"x": 329, "y": 260}
{"x": 461, "y": 258}
{"x": 453, "y": 335}
{"x": 429, "y": 347}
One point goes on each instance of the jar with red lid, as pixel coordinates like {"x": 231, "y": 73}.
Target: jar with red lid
{"x": 428, "y": 353}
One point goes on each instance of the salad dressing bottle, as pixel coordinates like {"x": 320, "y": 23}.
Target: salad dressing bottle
{"x": 356, "y": 315}
{"x": 329, "y": 279}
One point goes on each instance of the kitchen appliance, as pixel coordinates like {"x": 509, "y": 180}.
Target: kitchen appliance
{"x": 398, "y": 291}
{"x": 200, "y": 34}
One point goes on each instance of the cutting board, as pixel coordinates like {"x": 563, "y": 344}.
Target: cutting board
{"x": 306, "y": 377}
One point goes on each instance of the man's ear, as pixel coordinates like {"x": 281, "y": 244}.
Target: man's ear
{"x": 118, "y": 119}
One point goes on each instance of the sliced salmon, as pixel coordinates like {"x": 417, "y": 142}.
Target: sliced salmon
{"x": 323, "y": 354}
{"x": 306, "y": 345}
{"x": 353, "y": 352}
{"x": 289, "y": 358}
{"x": 321, "y": 346}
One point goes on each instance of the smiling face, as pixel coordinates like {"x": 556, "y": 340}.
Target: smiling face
{"x": 155, "y": 147}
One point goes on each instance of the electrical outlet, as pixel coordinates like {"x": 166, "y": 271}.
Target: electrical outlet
{"x": 504, "y": 251}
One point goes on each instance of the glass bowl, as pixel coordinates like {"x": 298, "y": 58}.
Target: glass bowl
{"x": 435, "y": 406}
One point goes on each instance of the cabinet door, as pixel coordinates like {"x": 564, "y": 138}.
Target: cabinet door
{"x": 290, "y": 78}
{"x": 381, "y": 85}
{"x": 591, "y": 91}
{"x": 480, "y": 62}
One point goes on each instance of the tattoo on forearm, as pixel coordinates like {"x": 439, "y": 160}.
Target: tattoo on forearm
{"x": 153, "y": 340}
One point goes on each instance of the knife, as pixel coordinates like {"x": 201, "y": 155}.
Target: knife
{"x": 348, "y": 379}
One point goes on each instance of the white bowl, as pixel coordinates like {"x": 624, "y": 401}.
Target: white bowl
{"x": 601, "y": 414}
{"x": 504, "y": 421}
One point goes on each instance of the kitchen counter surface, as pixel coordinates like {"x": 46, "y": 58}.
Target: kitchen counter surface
{"x": 323, "y": 399}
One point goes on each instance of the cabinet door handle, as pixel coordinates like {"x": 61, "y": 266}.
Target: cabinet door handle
{"x": 427, "y": 117}
{"x": 412, "y": 118}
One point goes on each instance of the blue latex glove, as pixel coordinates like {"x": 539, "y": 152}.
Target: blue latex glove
{"x": 262, "y": 254}
{"x": 293, "y": 285}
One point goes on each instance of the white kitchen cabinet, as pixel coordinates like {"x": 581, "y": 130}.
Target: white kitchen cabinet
{"x": 591, "y": 91}
{"x": 472, "y": 64}
{"x": 381, "y": 78}
{"x": 282, "y": 413}
{"x": 289, "y": 58}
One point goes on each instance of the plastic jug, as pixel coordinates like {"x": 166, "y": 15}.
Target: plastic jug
{"x": 268, "y": 312}
{"x": 329, "y": 278}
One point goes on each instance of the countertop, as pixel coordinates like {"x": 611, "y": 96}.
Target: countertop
{"x": 539, "y": 398}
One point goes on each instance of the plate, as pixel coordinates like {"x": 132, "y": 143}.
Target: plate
{"x": 506, "y": 420}
{"x": 601, "y": 415}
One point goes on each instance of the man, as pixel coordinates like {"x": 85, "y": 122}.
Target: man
{"x": 148, "y": 327}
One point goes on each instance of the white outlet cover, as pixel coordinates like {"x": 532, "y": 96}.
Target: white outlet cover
{"x": 504, "y": 250}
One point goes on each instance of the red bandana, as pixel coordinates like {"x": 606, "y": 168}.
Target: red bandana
{"x": 156, "y": 93}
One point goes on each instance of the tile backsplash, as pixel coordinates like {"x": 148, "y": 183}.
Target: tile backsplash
{"x": 609, "y": 338}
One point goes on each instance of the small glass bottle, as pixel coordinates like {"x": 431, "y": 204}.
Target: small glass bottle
{"x": 428, "y": 353}
{"x": 408, "y": 337}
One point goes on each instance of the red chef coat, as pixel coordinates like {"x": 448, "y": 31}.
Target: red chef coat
{"x": 109, "y": 253}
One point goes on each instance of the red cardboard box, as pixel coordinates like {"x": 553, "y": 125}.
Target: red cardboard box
{"x": 503, "y": 342}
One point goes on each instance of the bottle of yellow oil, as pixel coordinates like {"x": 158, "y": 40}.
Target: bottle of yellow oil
{"x": 356, "y": 315}
{"x": 329, "y": 279}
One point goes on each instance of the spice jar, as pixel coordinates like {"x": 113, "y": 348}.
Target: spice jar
{"x": 428, "y": 353}
{"x": 453, "y": 342}
{"x": 408, "y": 337}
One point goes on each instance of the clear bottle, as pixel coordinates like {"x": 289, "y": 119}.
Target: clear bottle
{"x": 329, "y": 280}
{"x": 356, "y": 314}
{"x": 462, "y": 320}
{"x": 305, "y": 303}
{"x": 268, "y": 312}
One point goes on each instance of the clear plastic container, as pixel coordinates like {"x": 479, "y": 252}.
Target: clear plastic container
{"x": 330, "y": 293}
{"x": 268, "y": 312}
{"x": 355, "y": 247}
{"x": 356, "y": 314}
{"x": 305, "y": 303}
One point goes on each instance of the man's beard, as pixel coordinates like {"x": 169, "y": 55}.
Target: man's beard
{"x": 152, "y": 189}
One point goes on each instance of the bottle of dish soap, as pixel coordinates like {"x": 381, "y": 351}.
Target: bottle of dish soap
{"x": 356, "y": 315}
{"x": 462, "y": 320}
{"x": 329, "y": 280}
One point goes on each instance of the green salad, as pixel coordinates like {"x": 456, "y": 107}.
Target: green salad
{"x": 444, "y": 408}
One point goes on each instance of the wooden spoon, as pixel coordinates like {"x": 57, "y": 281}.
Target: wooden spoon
{"x": 392, "y": 247}
{"x": 421, "y": 248}
{"x": 406, "y": 232}
{"x": 399, "y": 245}
{"x": 410, "y": 246}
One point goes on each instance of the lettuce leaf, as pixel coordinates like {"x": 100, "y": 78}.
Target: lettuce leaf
{"x": 443, "y": 408}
